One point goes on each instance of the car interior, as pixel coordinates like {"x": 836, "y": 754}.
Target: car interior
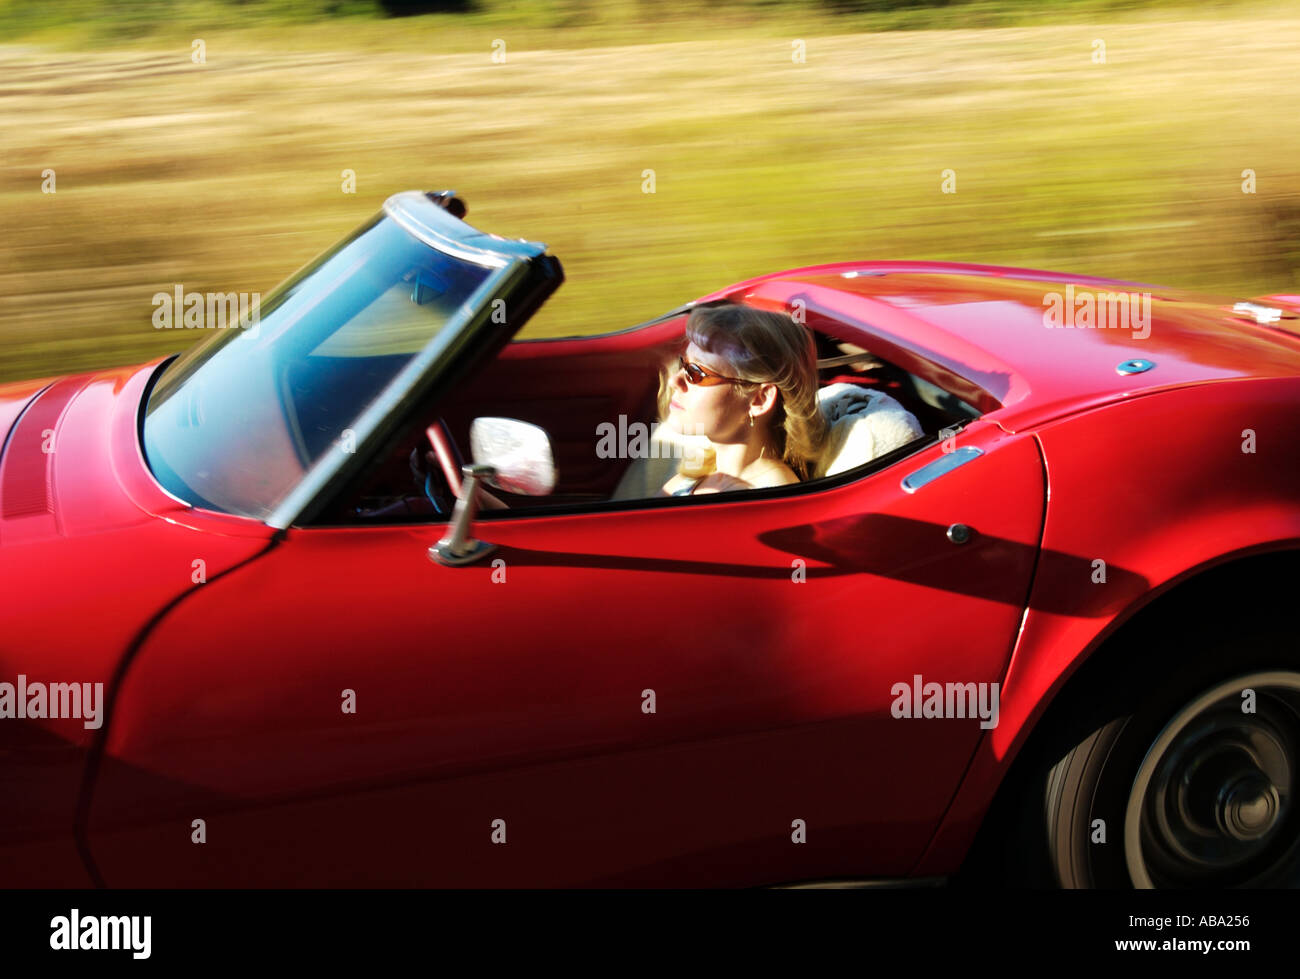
{"x": 571, "y": 386}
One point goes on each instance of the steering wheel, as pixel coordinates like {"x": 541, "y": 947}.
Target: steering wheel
{"x": 444, "y": 450}
{"x": 448, "y": 460}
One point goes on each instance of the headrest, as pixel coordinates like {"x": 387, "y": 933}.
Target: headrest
{"x": 864, "y": 424}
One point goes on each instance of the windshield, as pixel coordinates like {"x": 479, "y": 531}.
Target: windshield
{"x": 235, "y": 423}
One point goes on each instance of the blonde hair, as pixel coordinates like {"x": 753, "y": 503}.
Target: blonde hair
{"x": 763, "y": 348}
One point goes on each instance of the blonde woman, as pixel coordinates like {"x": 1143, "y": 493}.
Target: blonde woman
{"x": 747, "y": 381}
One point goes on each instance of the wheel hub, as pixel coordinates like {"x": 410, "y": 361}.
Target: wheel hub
{"x": 1216, "y": 790}
{"x": 1249, "y": 808}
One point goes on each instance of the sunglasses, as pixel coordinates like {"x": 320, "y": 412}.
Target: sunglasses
{"x": 696, "y": 374}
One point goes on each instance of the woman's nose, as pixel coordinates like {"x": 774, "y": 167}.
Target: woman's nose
{"x": 679, "y": 379}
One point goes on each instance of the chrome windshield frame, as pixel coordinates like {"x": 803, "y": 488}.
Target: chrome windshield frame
{"x": 435, "y": 227}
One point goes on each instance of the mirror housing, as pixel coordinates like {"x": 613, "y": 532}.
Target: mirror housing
{"x": 519, "y": 454}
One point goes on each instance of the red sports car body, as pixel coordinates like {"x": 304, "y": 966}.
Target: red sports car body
{"x": 1099, "y": 528}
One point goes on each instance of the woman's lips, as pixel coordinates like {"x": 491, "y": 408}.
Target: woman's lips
{"x": 674, "y": 404}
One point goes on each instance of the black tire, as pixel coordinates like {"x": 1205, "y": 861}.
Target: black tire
{"x": 1191, "y": 789}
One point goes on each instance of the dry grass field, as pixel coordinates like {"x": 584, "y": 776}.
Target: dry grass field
{"x": 227, "y": 175}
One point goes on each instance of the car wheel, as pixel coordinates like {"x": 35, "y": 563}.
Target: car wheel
{"x": 1180, "y": 771}
{"x": 1200, "y": 797}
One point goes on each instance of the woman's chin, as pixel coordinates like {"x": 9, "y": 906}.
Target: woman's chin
{"x": 682, "y": 425}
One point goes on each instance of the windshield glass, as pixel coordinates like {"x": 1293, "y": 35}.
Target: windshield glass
{"x": 235, "y": 423}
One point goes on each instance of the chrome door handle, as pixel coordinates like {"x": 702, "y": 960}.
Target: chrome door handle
{"x": 949, "y": 461}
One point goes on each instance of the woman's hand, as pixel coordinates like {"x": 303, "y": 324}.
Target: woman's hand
{"x": 721, "y": 483}
{"x": 714, "y": 482}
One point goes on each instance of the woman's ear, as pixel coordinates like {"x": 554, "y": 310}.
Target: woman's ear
{"x": 764, "y": 398}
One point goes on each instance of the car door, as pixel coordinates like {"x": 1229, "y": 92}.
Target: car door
{"x": 704, "y": 691}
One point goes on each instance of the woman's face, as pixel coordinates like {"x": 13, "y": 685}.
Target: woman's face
{"x": 712, "y": 410}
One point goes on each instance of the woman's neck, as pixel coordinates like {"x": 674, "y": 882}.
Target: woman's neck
{"x": 752, "y": 456}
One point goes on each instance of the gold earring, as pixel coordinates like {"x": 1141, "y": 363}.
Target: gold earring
{"x": 751, "y": 421}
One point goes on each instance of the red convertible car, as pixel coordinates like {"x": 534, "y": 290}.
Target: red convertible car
{"x": 356, "y": 593}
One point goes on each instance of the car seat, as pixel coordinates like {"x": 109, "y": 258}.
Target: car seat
{"x": 864, "y": 424}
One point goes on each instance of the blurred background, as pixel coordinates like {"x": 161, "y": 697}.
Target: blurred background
{"x": 663, "y": 148}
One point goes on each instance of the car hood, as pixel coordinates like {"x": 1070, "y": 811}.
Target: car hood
{"x": 14, "y": 397}
{"x": 69, "y": 449}
{"x": 1011, "y": 335}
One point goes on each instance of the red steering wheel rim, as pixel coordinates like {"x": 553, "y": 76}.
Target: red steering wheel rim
{"x": 445, "y": 451}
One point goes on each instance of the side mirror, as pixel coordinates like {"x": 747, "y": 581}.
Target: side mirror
{"x": 510, "y": 455}
{"x": 518, "y": 452}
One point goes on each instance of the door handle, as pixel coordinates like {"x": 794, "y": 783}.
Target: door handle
{"x": 945, "y": 464}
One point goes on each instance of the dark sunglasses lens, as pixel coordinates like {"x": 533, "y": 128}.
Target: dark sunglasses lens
{"x": 693, "y": 372}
